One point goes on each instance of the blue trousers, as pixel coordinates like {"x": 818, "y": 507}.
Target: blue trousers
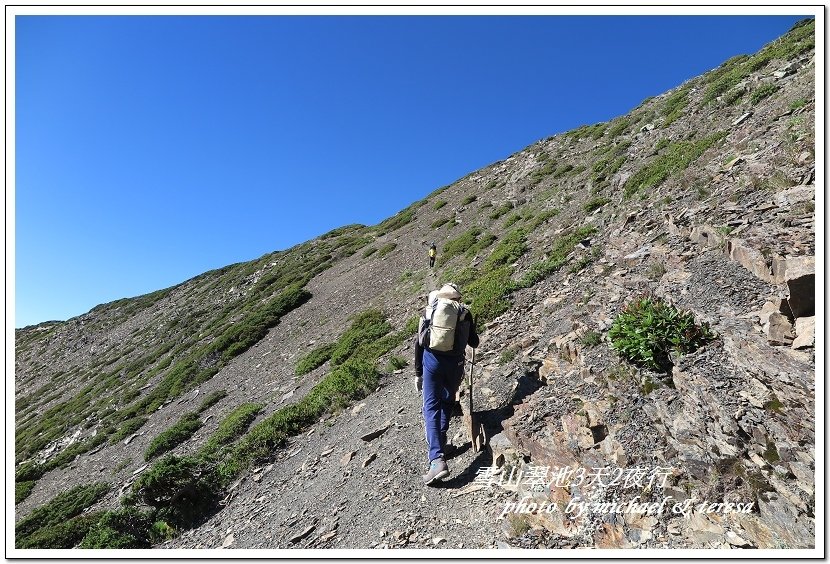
{"x": 442, "y": 377}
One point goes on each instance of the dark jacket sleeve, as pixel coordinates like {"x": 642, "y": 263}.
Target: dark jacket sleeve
{"x": 473, "y": 339}
{"x": 419, "y": 359}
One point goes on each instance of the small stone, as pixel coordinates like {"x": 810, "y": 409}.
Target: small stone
{"x": 736, "y": 540}
{"x": 142, "y": 469}
{"x": 298, "y": 537}
{"x": 346, "y": 458}
{"x": 228, "y": 541}
{"x": 356, "y": 409}
{"x": 639, "y": 253}
{"x": 369, "y": 460}
{"x": 326, "y": 452}
{"x": 376, "y": 433}
{"x": 438, "y": 540}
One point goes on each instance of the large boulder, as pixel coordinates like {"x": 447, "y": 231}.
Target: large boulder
{"x": 805, "y": 333}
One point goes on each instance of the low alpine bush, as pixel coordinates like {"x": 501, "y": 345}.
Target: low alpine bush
{"x": 174, "y": 436}
{"x": 648, "y": 330}
{"x": 126, "y": 528}
{"x": 59, "y": 510}
{"x": 314, "y": 359}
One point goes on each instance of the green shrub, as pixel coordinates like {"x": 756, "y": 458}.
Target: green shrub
{"x": 232, "y": 426}
{"x": 183, "y": 489}
{"x": 366, "y": 327}
{"x": 675, "y": 104}
{"x": 595, "y": 203}
{"x": 244, "y": 334}
{"x": 509, "y": 250}
{"x": 28, "y": 471}
{"x": 595, "y": 131}
{"x": 396, "y": 363}
{"x": 369, "y": 252}
{"x": 481, "y": 243}
{"x": 598, "y": 130}
{"x": 461, "y": 276}
{"x": 676, "y": 159}
{"x": 63, "y": 535}
{"x": 540, "y": 219}
{"x": 354, "y": 379}
{"x": 511, "y": 219}
{"x": 129, "y": 427}
{"x": 556, "y": 259}
{"x": 411, "y": 327}
{"x": 591, "y": 339}
{"x": 396, "y": 221}
{"x": 541, "y": 173}
{"x": 439, "y": 204}
{"x": 314, "y": 359}
{"x": 22, "y": 490}
{"x": 507, "y": 355}
{"x": 345, "y": 230}
{"x": 488, "y": 294}
{"x": 798, "y": 40}
{"x": 386, "y": 249}
{"x": 797, "y": 104}
{"x": 468, "y": 200}
{"x": 733, "y": 96}
{"x": 648, "y": 330}
{"x": 459, "y": 245}
{"x": 562, "y": 170}
{"x": 211, "y": 400}
{"x": 61, "y": 508}
{"x": 174, "y": 436}
{"x": 127, "y": 527}
{"x": 439, "y": 222}
{"x": 501, "y": 210}
{"x": 620, "y": 127}
{"x": 351, "y": 244}
{"x": 762, "y": 92}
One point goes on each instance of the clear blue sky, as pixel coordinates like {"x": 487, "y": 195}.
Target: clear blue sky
{"x": 152, "y": 149}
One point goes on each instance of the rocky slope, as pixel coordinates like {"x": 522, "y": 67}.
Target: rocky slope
{"x": 704, "y": 196}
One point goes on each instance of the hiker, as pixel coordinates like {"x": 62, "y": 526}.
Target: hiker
{"x": 443, "y": 335}
{"x": 432, "y": 252}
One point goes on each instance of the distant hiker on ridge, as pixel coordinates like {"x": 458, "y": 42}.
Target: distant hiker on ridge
{"x": 443, "y": 335}
{"x": 432, "y": 252}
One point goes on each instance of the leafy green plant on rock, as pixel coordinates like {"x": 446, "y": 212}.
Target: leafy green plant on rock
{"x": 648, "y": 330}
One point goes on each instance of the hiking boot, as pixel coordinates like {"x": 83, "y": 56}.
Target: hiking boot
{"x": 437, "y": 471}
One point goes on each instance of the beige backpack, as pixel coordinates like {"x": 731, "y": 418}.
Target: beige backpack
{"x": 446, "y": 314}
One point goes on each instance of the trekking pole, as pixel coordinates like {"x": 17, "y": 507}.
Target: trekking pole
{"x": 473, "y": 424}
